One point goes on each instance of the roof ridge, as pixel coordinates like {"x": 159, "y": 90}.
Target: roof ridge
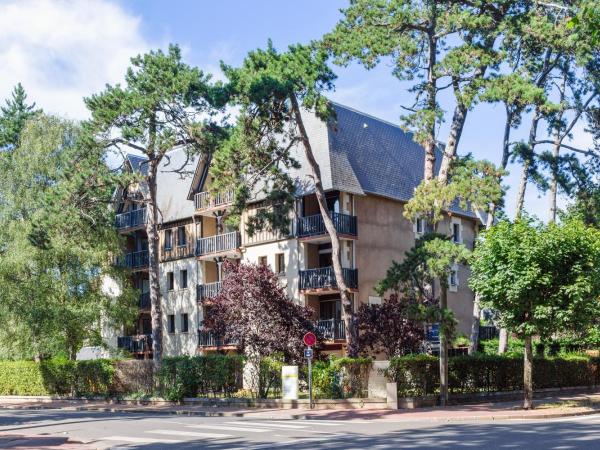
{"x": 371, "y": 116}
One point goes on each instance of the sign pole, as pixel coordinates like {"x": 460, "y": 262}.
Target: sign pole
{"x": 310, "y": 400}
{"x": 309, "y": 340}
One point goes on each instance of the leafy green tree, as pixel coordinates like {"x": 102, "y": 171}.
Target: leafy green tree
{"x": 435, "y": 45}
{"x": 274, "y": 90}
{"x": 56, "y": 241}
{"x": 13, "y": 117}
{"x": 541, "y": 279}
{"x": 164, "y": 104}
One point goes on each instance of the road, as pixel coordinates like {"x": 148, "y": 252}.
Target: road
{"x": 150, "y": 431}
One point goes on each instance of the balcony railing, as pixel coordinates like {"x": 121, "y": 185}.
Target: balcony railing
{"x": 131, "y": 219}
{"x": 332, "y": 329}
{"x": 207, "y": 200}
{"x": 208, "y": 290}
{"x": 315, "y": 225}
{"x": 134, "y": 260}
{"x": 324, "y": 278}
{"x": 145, "y": 300}
{"x": 210, "y": 339}
{"x": 135, "y": 344}
{"x": 218, "y": 243}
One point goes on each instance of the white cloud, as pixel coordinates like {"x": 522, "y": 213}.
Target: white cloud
{"x": 63, "y": 50}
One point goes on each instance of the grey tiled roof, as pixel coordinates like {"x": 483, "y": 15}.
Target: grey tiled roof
{"x": 371, "y": 156}
{"x": 137, "y": 163}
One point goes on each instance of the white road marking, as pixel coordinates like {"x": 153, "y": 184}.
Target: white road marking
{"x": 191, "y": 434}
{"x": 141, "y": 440}
{"x": 268, "y": 424}
{"x": 230, "y": 428}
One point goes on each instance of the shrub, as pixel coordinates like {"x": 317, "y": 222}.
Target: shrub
{"x": 419, "y": 375}
{"x": 490, "y": 346}
{"x": 21, "y": 378}
{"x": 185, "y": 376}
{"x": 339, "y": 377}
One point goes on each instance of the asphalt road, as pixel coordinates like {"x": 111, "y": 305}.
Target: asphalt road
{"x": 149, "y": 431}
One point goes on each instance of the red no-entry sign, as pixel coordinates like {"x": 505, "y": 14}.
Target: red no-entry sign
{"x": 309, "y": 339}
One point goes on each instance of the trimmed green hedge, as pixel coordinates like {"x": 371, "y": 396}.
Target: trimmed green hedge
{"x": 418, "y": 375}
{"x": 204, "y": 376}
{"x": 57, "y": 377}
{"x": 340, "y": 377}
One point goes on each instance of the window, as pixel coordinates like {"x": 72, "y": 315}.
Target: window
{"x": 183, "y": 279}
{"x": 170, "y": 281}
{"x": 456, "y": 232}
{"x": 171, "y": 323}
{"x": 420, "y": 225}
{"x": 280, "y": 263}
{"x": 181, "y": 236}
{"x": 168, "y": 239}
{"x": 185, "y": 324}
{"x": 453, "y": 279}
{"x": 262, "y": 260}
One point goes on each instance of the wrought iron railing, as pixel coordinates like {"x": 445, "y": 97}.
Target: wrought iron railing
{"x": 131, "y": 219}
{"x": 324, "y": 277}
{"x": 135, "y": 344}
{"x": 208, "y": 200}
{"x": 208, "y": 290}
{"x": 210, "y": 339}
{"x": 315, "y": 225}
{"x": 332, "y": 329}
{"x": 145, "y": 300}
{"x": 218, "y": 243}
{"x": 134, "y": 260}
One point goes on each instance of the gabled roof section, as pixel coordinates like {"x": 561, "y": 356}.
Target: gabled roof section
{"x": 137, "y": 163}
{"x": 199, "y": 177}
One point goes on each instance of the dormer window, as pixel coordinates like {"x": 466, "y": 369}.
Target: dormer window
{"x": 456, "y": 233}
{"x": 168, "y": 239}
{"x": 181, "y": 240}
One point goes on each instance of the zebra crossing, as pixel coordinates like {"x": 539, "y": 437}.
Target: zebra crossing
{"x": 302, "y": 431}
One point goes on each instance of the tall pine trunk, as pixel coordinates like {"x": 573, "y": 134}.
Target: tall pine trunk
{"x": 431, "y": 93}
{"x": 475, "y": 318}
{"x": 347, "y": 306}
{"x": 443, "y": 348}
{"x": 153, "y": 267}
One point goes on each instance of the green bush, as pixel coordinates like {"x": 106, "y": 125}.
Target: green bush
{"x": 339, "y": 377}
{"x": 21, "y": 378}
{"x": 185, "y": 376}
{"x": 480, "y": 373}
{"x": 490, "y": 346}
{"x": 57, "y": 377}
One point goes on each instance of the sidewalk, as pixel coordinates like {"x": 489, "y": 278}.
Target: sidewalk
{"x": 551, "y": 407}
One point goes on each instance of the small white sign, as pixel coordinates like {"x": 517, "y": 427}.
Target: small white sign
{"x": 289, "y": 382}
{"x": 308, "y": 353}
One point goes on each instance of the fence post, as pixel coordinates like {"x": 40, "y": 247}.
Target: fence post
{"x": 392, "y": 395}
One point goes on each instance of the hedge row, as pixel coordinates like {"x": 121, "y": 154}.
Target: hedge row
{"x": 56, "y": 377}
{"x": 204, "y": 376}
{"x": 340, "y": 377}
{"x": 418, "y": 375}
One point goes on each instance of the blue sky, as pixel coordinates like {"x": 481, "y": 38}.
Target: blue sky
{"x": 70, "y": 49}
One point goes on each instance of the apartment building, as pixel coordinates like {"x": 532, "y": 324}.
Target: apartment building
{"x": 370, "y": 169}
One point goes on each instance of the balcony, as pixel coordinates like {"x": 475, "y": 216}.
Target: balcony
{"x": 131, "y": 220}
{"x": 207, "y": 202}
{"x": 135, "y": 344}
{"x": 208, "y": 290}
{"x": 332, "y": 329}
{"x": 210, "y": 339}
{"x": 144, "y": 301}
{"x": 322, "y": 280}
{"x": 134, "y": 260}
{"x": 313, "y": 227}
{"x": 219, "y": 245}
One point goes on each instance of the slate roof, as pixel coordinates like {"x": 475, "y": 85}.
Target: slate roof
{"x": 361, "y": 154}
{"x": 137, "y": 163}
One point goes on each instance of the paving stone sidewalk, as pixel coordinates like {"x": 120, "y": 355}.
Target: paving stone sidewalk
{"x": 555, "y": 406}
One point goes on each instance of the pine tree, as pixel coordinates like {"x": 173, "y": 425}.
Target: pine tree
{"x": 13, "y": 117}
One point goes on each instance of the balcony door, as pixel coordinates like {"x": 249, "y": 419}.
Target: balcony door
{"x": 330, "y": 309}
{"x": 325, "y": 258}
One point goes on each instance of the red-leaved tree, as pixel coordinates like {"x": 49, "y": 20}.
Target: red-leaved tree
{"x": 253, "y": 309}
{"x": 389, "y": 328}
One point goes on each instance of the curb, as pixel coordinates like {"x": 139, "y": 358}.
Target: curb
{"x": 308, "y": 416}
